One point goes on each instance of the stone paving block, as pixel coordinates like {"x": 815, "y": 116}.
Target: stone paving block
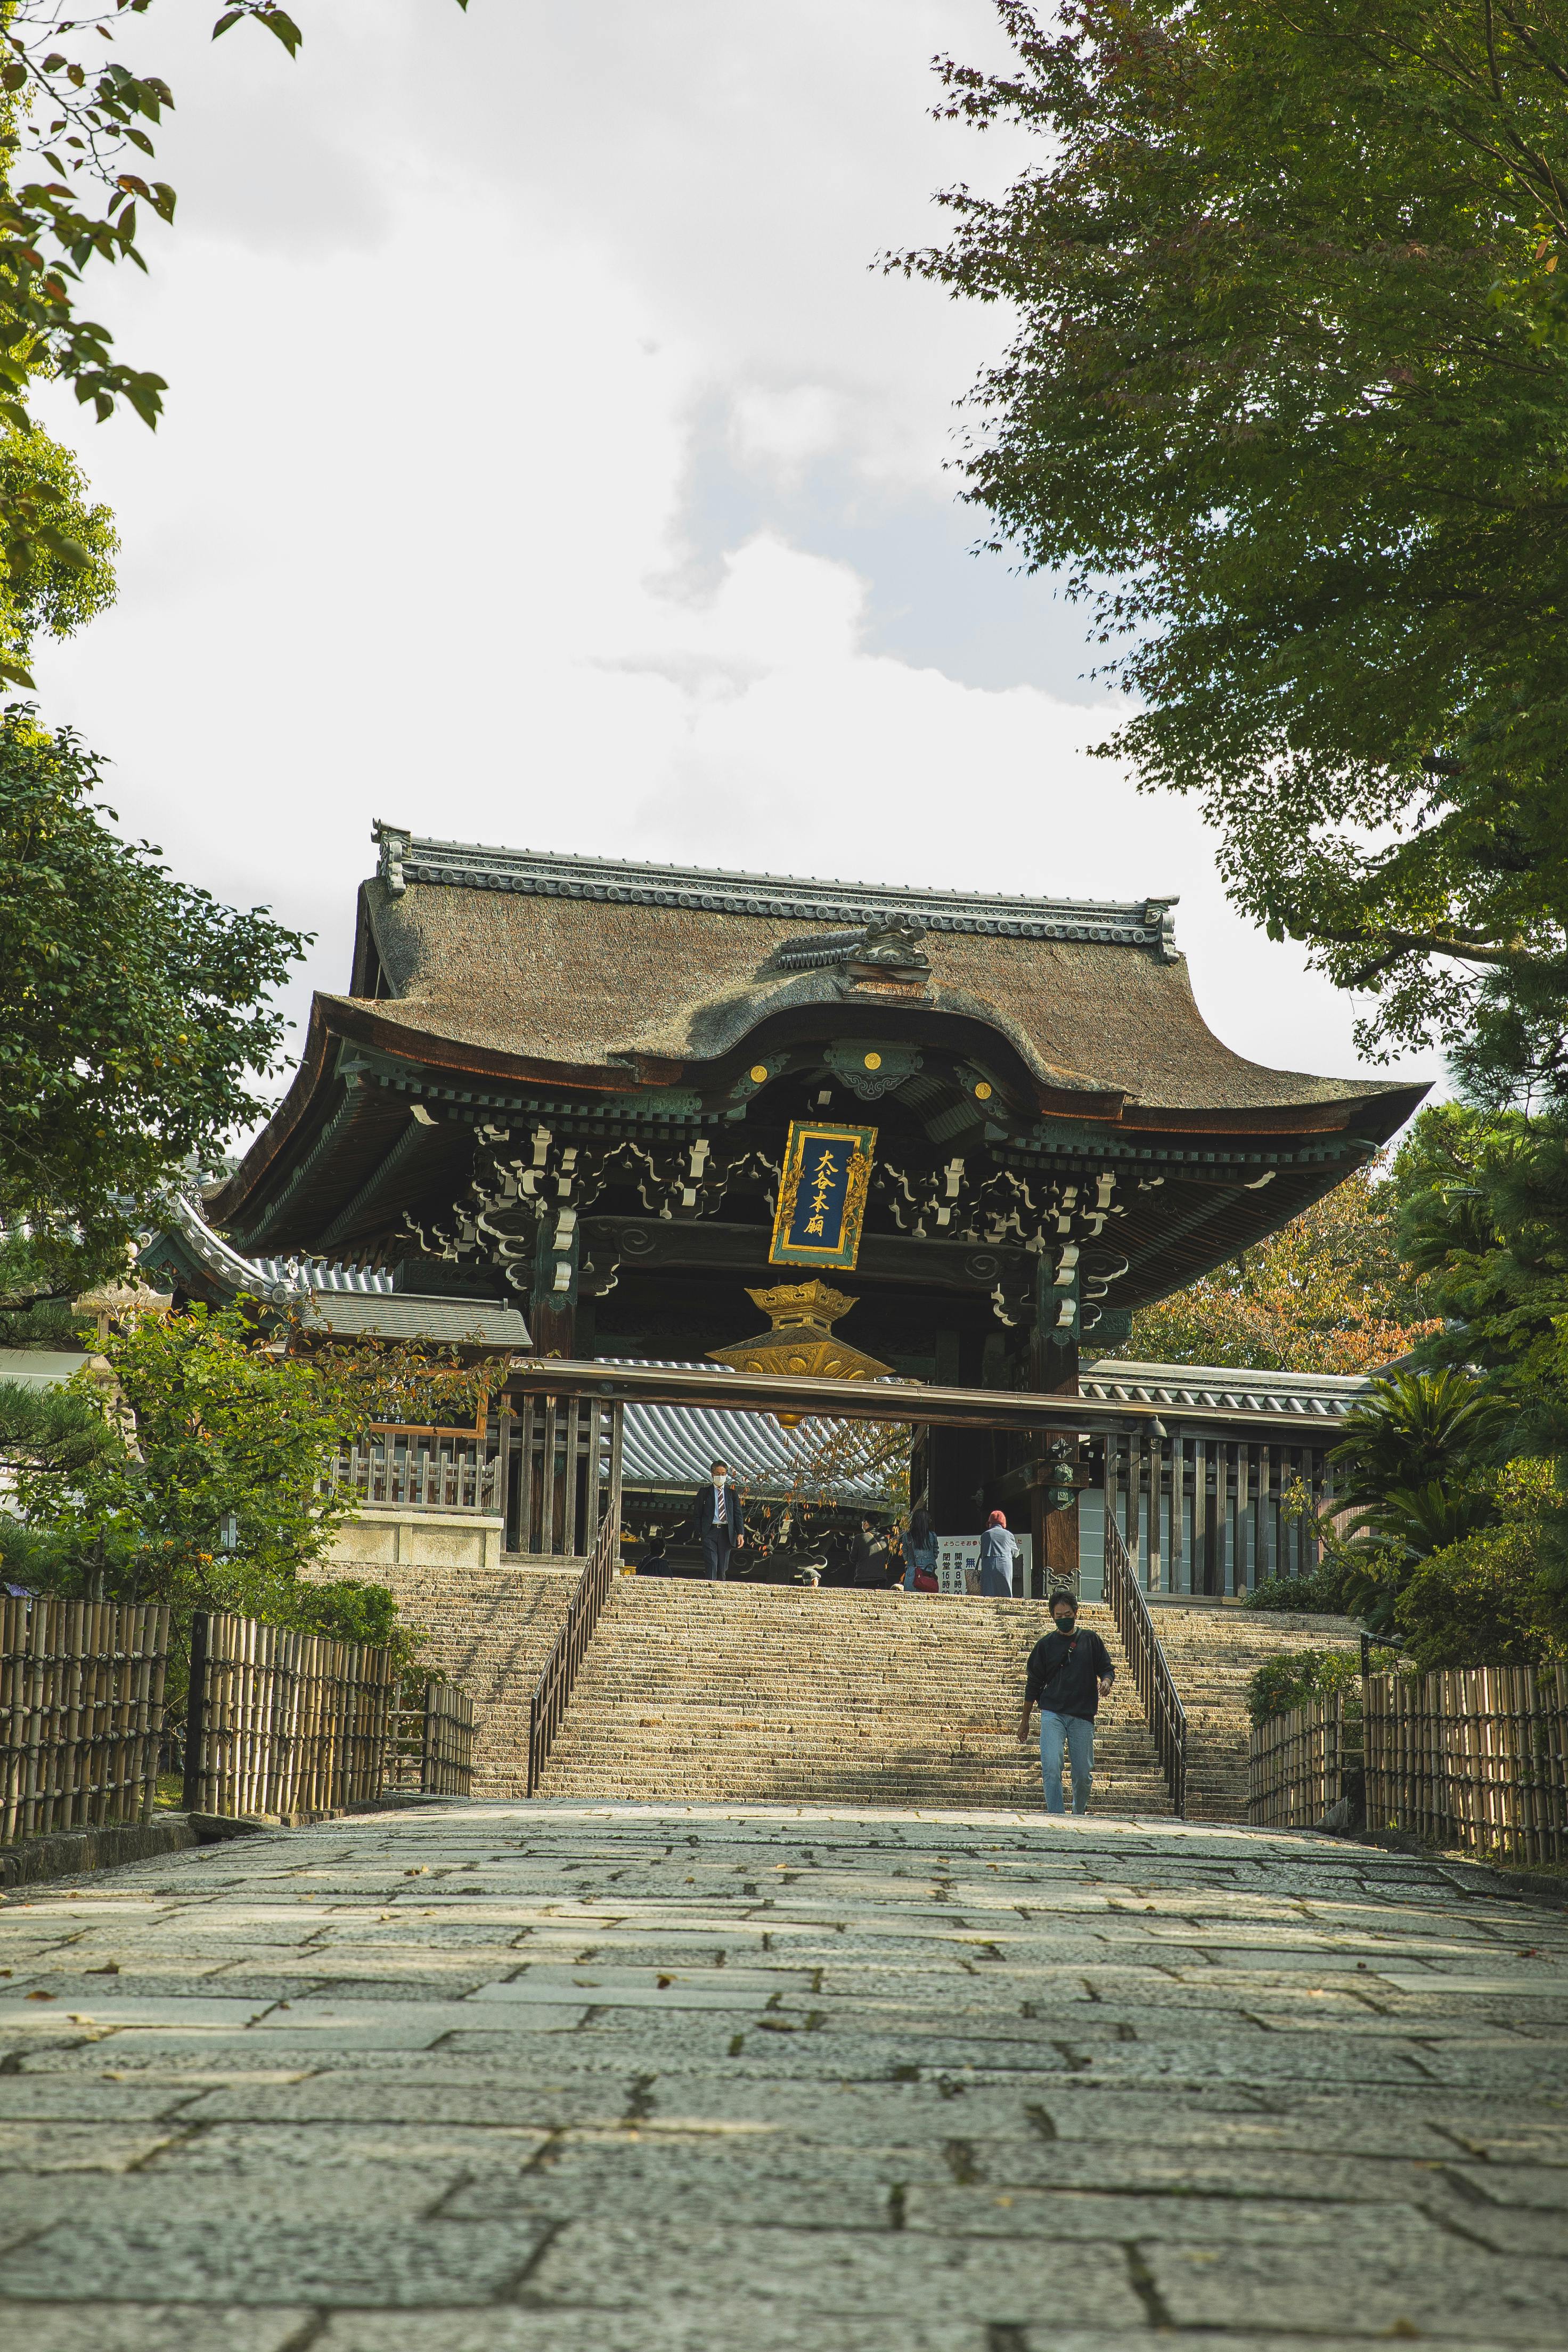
{"x": 323, "y": 2016}
{"x": 297, "y": 2149}
{"x": 1342, "y": 2230}
{"x": 635, "y": 2177}
{"x": 396, "y": 2101}
{"x": 840, "y": 2273}
{"x": 347, "y": 2197}
{"x": 1232, "y": 2090}
{"x": 26, "y": 2206}
{"x": 84, "y": 2147}
{"x": 672, "y": 2327}
{"x": 34, "y": 2098}
{"x": 149, "y": 2327}
{"x": 1466, "y": 2294}
{"x": 113, "y": 2010}
{"x": 171, "y": 2258}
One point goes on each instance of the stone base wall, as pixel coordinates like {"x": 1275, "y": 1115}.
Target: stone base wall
{"x": 380, "y": 1536}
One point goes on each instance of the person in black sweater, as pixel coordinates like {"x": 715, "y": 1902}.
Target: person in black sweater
{"x": 1069, "y": 1672}
{"x": 870, "y": 1562}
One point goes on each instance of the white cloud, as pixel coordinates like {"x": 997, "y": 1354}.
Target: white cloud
{"x": 545, "y": 464}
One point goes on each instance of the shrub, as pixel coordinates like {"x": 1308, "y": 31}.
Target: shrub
{"x": 1320, "y": 1594}
{"x": 1299, "y": 1680}
{"x": 1485, "y": 1601}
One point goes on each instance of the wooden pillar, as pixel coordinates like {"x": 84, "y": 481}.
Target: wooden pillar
{"x": 552, "y": 1305}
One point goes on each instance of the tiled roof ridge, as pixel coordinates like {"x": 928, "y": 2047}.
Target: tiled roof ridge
{"x": 405, "y": 858}
{"x": 1323, "y": 1395}
{"x": 1206, "y": 1375}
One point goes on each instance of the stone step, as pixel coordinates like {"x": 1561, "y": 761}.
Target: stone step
{"x": 1214, "y": 1654}
{"x": 703, "y": 1691}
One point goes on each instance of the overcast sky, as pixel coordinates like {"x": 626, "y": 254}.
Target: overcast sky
{"x": 546, "y": 464}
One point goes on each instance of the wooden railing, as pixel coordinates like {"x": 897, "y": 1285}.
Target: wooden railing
{"x": 1217, "y": 1515}
{"x": 1476, "y": 1758}
{"x": 554, "y": 1688}
{"x": 560, "y": 1456}
{"x": 416, "y": 1469}
{"x": 1148, "y": 1664}
{"x": 432, "y": 1745}
{"x": 81, "y": 1713}
{"x": 1298, "y": 1763}
{"x": 283, "y": 1722}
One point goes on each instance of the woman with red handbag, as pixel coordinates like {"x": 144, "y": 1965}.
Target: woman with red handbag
{"x": 919, "y": 1553}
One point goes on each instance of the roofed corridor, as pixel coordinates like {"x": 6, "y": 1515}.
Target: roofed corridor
{"x": 618, "y": 2078}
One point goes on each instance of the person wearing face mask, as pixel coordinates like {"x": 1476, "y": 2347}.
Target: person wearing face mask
{"x": 1069, "y": 1672}
{"x": 719, "y": 1527}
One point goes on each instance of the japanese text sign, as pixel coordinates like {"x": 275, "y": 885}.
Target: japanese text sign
{"x": 822, "y": 1199}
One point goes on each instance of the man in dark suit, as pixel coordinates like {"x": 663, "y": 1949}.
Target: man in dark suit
{"x": 718, "y": 1522}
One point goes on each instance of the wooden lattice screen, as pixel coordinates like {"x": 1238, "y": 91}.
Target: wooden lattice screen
{"x": 283, "y": 1722}
{"x": 81, "y": 1713}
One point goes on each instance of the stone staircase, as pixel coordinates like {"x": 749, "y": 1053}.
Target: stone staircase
{"x": 487, "y": 1629}
{"x": 1213, "y": 1653}
{"x": 711, "y": 1691}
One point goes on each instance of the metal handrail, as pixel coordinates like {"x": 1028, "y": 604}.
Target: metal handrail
{"x": 1148, "y": 1664}
{"x": 554, "y": 1688}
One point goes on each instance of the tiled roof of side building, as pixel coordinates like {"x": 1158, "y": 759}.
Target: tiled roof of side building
{"x": 588, "y": 964}
{"x": 1316, "y": 1396}
{"x": 671, "y": 1447}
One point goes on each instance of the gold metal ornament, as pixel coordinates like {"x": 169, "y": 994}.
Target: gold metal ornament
{"x": 801, "y": 1345}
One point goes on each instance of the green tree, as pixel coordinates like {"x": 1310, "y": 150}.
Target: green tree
{"x": 1483, "y": 1215}
{"x": 1414, "y": 1470}
{"x": 1328, "y": 1293}
{"x": 1489, "y": 1598}
{"x": 1288, "y": 405}
{"x": 194, "y": 1471}
{"x": 133, "y": 1020}
{"x": 44, "y": 590}
{"x": 210, "y": 1498}
{"x": 1298, "y": 1678}
{"x": 76, "y": 143}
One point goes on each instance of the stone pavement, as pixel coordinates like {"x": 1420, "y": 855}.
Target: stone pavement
{"x": 653, "y": 2078}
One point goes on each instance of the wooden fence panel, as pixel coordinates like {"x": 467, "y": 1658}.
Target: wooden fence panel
{"x": 1298, "y": 1763}
{"x": 284, "y": 1723}
{"x": 1476, "y": 1758}
{"x": 81, "y": 1712}
{"x": 432, "y": 1745}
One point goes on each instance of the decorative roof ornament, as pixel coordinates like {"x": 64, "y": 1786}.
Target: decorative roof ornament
{"x": 288, "y": 1285}
{"x": 394, "y": 841}
{"x": 886, "y": 949}
{"x": 801, "y": 1345}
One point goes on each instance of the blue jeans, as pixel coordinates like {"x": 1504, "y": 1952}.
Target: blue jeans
{"x": 1076, "y": 1733}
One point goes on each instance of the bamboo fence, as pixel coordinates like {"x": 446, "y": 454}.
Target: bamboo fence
{"x": 81, "y": 1713}
{"x": 432, "y": 1746}
{"x": 284, "y": 1723}
{"x": 1298, "y": 1762}
{"x": 1476, "y": 1758}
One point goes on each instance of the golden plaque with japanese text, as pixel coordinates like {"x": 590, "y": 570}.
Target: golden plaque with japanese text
{"x": 822, "y": 1198}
